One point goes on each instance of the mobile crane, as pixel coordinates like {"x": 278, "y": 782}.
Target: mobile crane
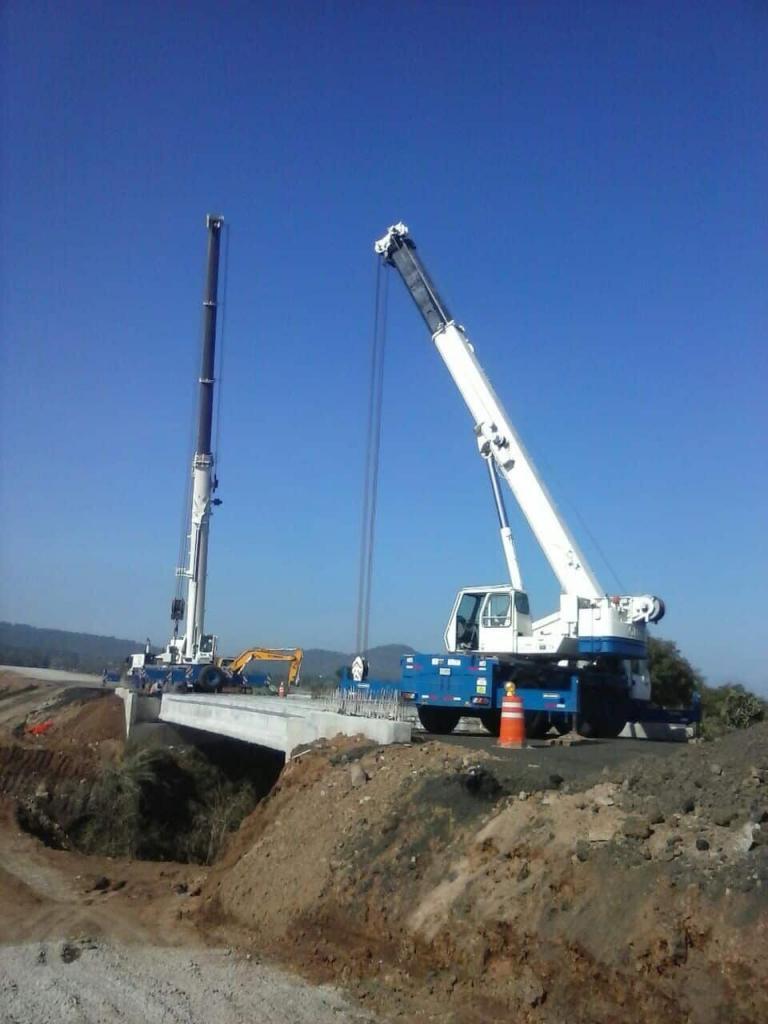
{"x": 189, "y": 659}
{"x": 585, "y": 662}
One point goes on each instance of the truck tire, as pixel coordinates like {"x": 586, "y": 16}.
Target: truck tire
{"x": 210, "y": 680}
{"x": 602, "y": 718}
{"x": 491, "y": 722}
{"x": 439, "y": 721}
{"x": 536, "y": 725}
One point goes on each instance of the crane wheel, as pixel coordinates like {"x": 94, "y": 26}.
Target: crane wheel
{"x": 210, "y": 680}
{"x": 440, "y": 721}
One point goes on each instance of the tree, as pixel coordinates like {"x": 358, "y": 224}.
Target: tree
{"x": 673, "y": 678}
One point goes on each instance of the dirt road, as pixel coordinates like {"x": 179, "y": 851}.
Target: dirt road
{"x": 88, "y": 982}
{"x": 71, "y": 950}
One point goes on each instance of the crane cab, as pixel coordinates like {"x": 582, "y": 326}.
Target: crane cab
{"x": 488, "y": 619}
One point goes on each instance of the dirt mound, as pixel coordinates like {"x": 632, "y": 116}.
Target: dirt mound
{"x": 417, "y": 878}
{"x": 91, "y": 722}
{"x": 23, "y": 770}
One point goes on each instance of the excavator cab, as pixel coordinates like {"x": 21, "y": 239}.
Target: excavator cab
{"x": 488, "y": 619}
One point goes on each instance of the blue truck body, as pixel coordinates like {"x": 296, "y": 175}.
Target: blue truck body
{"x": 443, "y": 687}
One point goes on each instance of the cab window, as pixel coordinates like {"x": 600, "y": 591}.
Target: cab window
{"x": 466, "y": 620}
{"x": 497, "y": 611}
{"x": 521, "y": 603}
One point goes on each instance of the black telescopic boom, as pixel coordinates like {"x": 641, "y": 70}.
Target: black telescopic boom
{"x": 205, "y": 405}
{"x": 402, "y": 255}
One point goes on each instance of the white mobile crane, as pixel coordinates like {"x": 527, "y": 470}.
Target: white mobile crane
{"x": 588, "y": 658}
{"x": 190, "y": 658}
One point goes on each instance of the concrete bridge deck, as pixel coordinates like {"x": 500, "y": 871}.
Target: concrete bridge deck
{"x": 284, "y": 725}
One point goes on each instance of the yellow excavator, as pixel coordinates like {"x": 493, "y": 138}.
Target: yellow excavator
{"x": 228, "y": 672}
{"x": 233, "y": 668}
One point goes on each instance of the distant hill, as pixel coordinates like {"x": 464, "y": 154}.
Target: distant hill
{"x": 87, "y": 652}
{"x": 58, "y": 648}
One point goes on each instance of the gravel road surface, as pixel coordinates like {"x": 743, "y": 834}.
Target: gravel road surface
{"x": 88, "y": 982}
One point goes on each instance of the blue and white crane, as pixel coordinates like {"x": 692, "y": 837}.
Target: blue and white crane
{"x": 190, "y": 657}
{"x": 588, "y": 656}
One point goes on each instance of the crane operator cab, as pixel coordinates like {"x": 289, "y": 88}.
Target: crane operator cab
{"x": 488, "y": 619}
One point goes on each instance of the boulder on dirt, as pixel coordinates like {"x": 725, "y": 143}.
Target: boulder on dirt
{"x": 636, "y": 828}
{"x": 480, "y": 782}
{"x": 69, "y": 952}
{"x": 101, "y": 883}
{"x": 723, "y": 816}
{"x": 357, "y": 776}
{"x": 582, "y": 850}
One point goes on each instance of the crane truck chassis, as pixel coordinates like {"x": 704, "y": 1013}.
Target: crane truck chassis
{"x": 585, "y": 665}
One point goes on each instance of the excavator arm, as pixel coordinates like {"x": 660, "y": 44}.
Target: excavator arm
{"x": 294, "y": 655}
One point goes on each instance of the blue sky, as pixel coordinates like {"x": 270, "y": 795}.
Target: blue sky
{"x": 587, "y": 183}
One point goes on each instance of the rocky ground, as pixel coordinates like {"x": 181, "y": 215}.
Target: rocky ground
{"x": 430, "y": 887}
{"x": 430, "y": 881}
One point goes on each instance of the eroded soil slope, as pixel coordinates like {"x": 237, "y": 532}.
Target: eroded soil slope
{"x": 413, "y": 876}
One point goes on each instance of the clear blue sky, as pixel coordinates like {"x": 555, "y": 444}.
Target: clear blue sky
{"x": 587, "y": 183}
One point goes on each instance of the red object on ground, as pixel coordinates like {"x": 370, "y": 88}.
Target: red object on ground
{"x": 40, "y": 728}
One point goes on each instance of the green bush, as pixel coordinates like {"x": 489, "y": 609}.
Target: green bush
{"x": 164, "y": 805}
{"x": 729, "y": 707}
{"x": 673, "y": 679}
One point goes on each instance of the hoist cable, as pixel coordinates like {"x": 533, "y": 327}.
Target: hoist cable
{"x": 372, "y": 453}
{"x": 375, "y": 459}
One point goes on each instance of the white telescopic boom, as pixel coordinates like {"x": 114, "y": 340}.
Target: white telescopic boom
{"x": 203, "y": 480}
{"x": 496, "y": 437}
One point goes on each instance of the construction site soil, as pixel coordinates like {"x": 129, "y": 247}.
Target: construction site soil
{"x": 429, "y": 881}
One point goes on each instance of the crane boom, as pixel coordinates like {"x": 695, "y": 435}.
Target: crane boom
{"x": 496, "y": 437}
{"x": 203, "y": 479}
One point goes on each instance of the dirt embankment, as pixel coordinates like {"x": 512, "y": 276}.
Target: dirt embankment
{"x": 432, "y": 881}
{"x": 408, "y": 874}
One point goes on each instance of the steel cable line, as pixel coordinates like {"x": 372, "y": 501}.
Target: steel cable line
{"x": 372, "y": 460}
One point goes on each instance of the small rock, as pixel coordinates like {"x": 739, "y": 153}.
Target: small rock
{"x": 102, "y": 882}
{"x": 745, "y": 840}
{"x": 69, "y": 952}
{"x": 522, "y": 795}
{"x": 528, "y": 987}
{"x": 636, "y": 828}
{"x": 601, "y": 834}
{"x": 702, "y": 843}
{"x": 655, "y": 815}
{"x": 716, "y": 769}
{"x": 582, "y": 850}
{"x": 556, "y": 780}
{"x": 723, "y": 816}
{"x": 524, "y": 872}
{"x": 688, "y": 805}
{"x": 357, "y": 776}
{"x": 180, "y": 888}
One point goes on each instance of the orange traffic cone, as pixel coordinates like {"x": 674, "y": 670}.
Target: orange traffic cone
{"x": 281, "y": 689}
{"x": 512, "y": 732}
